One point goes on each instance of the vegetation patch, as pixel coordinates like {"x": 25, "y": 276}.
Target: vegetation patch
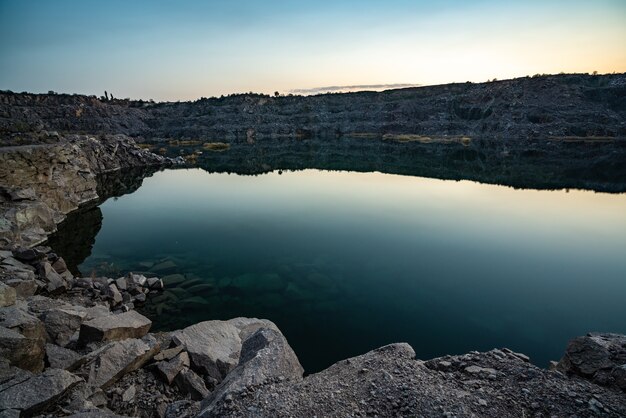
{"x": 216, "y": 146}
{"x": 363, "y": 135}
{"x": 184, "y": 142}
{"x": 422, "y": 139}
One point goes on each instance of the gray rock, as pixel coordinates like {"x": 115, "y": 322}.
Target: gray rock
{"x": 214, "y": 346}
{"x": 61, "y": 358}
{"x": 84, "y": 282}
{"x": 54, "y": 282}
{"x": 18, "y": 318}
{"x": 103, "y": 367}
{"x": 599, "y": 357}
{"x": 23, "y": 287}
{"x": 17, "y": 265}
{"x": 7, "y": 295}
{"x": 189, "y": 383}
{"x": 155, "y": 283}
{"x": 137, "y": 279}
{"x": 168, "y": 369}
{"x": 114, "y": 295}
{"x": 168, "y": 354}
{"x": 266, "y": 357}
{"x": 182, "y": 409}
{"x": 114, "y": 327}
{"x": 62, "y": 323}
{"x": 129, "y": 394}
{"x": 25, "y": 353}
{"x": 121, "y": 283}
{"x": 39, "y": 392}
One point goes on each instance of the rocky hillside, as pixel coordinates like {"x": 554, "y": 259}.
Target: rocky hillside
{"x": 537, "y": 107}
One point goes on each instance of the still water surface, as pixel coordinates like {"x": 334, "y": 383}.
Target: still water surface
{"x": 345, "y": 262}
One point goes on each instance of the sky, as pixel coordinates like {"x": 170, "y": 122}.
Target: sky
{"x": 181, "y": 50}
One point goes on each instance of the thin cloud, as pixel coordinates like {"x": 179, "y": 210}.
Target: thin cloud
{"x": 358, "y": 87}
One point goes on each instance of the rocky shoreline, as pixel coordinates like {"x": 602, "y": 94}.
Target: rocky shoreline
{"x": 76, "y": 346}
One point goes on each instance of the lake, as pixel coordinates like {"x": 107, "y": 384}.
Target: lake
{"x": 344, "y": 262}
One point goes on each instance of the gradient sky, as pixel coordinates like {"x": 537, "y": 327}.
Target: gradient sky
{"x": 171, "y": 50}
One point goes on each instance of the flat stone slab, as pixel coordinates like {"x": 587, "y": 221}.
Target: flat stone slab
{"x": 103, "y": 367}
{"x": 129, "y": 324}
{"x": 61, "y": 358}
{"x": 38, "y": 392}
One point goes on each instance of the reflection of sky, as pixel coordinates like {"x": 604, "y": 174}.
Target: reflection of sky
{"x": 461, "y": 264}
{"x": 576, "y": 219}
{"x": 183, "y": 50}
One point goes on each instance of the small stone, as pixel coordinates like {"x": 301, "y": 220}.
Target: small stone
{"x": 129, "y": 394}
{"x": 168, "y": 354}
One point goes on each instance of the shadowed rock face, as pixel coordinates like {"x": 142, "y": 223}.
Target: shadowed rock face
{"x": 40, "y": 184}
{"x": 536, "y": 164}
{"x": 538, "y": 107}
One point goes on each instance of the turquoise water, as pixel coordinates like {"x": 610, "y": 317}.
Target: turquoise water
{"x": 345, "y": 262}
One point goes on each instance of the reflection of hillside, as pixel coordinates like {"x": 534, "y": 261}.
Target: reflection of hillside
{"x": 552, "y": 165}
{"x": 76, "y": 235}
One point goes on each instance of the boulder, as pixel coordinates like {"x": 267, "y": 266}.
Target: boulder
{"x": 189, "y": 383}
{"x": 23, "y": 287}
{"x": 168, "y": 369}
{"x": 54, "y": 282}
{"x": 62, "y": 323}
{"x": 39, "y": 392}
{"x": 61, "y": 358}
{"x": 266, "y": 357}
{"x": 214, "y": 346}
{"x": 8, "y": 295}
{"x": 106, "y": 365}
{"x": 18, "y": 318}
{"x": 599, "y": 357}
{"x": 129, "y": 324}
{"x": 20, "y": 351}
